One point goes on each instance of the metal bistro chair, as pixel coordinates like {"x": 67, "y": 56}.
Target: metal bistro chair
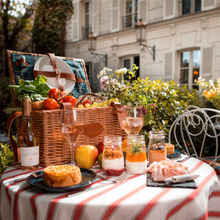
{"x": 197, "y": 124}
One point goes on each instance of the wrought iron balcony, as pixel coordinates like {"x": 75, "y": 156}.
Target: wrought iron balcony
{"x": 86, "y": 30}
{"x": 129, "y": 21}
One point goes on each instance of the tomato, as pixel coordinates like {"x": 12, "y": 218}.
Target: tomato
{"x": 61, "y": 95}
{"x": 54, "y": 93}
{"x": 50, "y": 104}
{"x": 87, "y": 101}
{"x": 71, "y": 99}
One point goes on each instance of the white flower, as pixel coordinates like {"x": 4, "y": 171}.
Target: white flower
{"x": 114, "y": 81}
{"x": 122, "y": 70}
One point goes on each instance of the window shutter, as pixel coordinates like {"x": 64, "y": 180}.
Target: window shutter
{"x": 115, "y": 15}
{"x": 207, "y": 54}
{"x": 169, "y": 9}
{"x": 75, "y": 22}
{"x": 95, "y": 80}
{"x": 95, "y": 17}
{"x": 208, "y": 4}
{"x": 142, "y": 11}
{"x": 168, "y": 66}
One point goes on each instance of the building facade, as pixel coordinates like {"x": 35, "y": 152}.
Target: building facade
{"x": 185, "y": 33}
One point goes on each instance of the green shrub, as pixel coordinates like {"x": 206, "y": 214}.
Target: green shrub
{"x": 6, "y": 102}
{"x": 170, "y": 101}
{"x": 6, "y": 157}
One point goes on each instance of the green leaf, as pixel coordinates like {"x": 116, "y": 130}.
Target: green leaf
{"x": 147, "y": 117}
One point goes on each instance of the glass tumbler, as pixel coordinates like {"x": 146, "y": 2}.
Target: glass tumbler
{"x": 136, "y": 158}
{"x": 156, "y": 147}
{"x": 112, "y": 158}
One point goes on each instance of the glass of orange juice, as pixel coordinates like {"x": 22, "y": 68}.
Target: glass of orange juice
{"x": 136, "y": 158}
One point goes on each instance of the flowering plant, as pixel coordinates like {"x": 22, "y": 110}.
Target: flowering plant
{"x": 211, "y": 90}
{"x": 132, "y": 92}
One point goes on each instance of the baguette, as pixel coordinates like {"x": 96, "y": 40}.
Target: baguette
{"x": 38, "y": 105}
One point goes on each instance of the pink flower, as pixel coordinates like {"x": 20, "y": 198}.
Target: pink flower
{"x": 103, "y": 82}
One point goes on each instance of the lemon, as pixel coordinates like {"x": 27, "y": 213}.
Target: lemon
{"x": 80, "y": 106}
{"x": 95, "y": 104}
{"x": 100, "y": 104}
{"x": 108, "y": 102}
{"x": 104, "y": 105}
{"x": 87, "y": 105}
{"x": 116, "y": 100}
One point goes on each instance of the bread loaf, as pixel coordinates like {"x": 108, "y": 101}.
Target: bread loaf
{"x": 62, "y": 176}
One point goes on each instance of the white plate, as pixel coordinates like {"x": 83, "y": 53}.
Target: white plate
{"x": 44, "y": 64}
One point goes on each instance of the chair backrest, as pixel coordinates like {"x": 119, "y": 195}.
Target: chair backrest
{"x": 195, "y": 129}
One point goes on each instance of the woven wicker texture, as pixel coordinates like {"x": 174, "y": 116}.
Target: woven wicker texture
{"x": 54, "y": 149}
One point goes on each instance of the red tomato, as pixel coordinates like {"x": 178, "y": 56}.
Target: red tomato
{"x": 50, "y": 104}
{"x": 87, "y": 101}
{"x": 71, "y": 99}
{"x": 61, "y": 95}
{"x": 54, "y": 93}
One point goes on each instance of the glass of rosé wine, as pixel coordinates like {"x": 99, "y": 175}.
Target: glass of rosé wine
{"x": 132, "y": 119}
{"x": 72, "y": 125}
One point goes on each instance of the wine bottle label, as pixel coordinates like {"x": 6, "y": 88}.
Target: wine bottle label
{"x": 29, "y": 156}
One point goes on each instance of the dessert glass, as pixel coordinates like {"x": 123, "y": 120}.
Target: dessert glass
{"x": 112, "y": 158}
{"x": 136, "y": 158}
{"x": 156, "y": 147}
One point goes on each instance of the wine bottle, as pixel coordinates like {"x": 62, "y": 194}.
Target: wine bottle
{"x": 28, "y": 147}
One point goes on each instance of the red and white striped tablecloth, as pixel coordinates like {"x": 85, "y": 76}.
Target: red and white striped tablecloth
{"x": 131, "y": 199}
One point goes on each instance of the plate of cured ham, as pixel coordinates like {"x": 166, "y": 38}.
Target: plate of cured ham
{"x": 157, "y": 172}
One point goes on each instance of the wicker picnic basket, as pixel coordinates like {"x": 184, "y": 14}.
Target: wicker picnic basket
{"x": 54, "y": 149}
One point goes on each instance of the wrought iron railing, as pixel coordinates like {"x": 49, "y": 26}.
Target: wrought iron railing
{"x": 129, "y": 21}
{"x": 86, "y": 30}
{"x": 189, "y": 6}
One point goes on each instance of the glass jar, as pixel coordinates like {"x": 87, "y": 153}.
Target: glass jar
{"x": 156, "y": 148}
{"x": 112, "y": 158}
{"x": 136, "y": 158}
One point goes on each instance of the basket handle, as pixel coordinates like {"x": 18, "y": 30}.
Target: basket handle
{"x": 11, "y": 118}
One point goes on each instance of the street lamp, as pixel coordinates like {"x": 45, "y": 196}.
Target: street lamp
{"x": 92, "y": 47}
{"x": 140, "y": 34}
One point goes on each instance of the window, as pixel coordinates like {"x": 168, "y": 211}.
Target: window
{"x": 128, "y": 63}
{"x": 86, "y": 30}
{"x": 190, "y": 6}
{"x": 130, "y": 18}
{"x": 189, "y": 68}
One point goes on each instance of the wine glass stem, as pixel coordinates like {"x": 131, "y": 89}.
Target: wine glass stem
{"x": 72, "y": 147}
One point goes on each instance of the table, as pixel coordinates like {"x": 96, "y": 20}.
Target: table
{"x": 131, "y": 199}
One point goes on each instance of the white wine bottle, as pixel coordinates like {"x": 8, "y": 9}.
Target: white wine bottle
{"x": 28, "y": 147}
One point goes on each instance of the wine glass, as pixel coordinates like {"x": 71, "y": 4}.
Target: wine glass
{"x": 71, "y": 126}
{"x": 132, "y": 119}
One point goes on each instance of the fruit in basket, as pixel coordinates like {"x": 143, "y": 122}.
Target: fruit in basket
{"x": 54, "y": 93}
{"x": 87, "y": 105}
{"x": 70, "y": 99}
{"x": 86, "y": 102}
{"x": 50, "y": 104}
{"x": 100, "y": 147}
{"x": 100, "y": 160}
{"x": 86, "y": 156}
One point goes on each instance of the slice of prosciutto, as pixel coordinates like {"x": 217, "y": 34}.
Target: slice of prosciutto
{"x": 166, "y": 169}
